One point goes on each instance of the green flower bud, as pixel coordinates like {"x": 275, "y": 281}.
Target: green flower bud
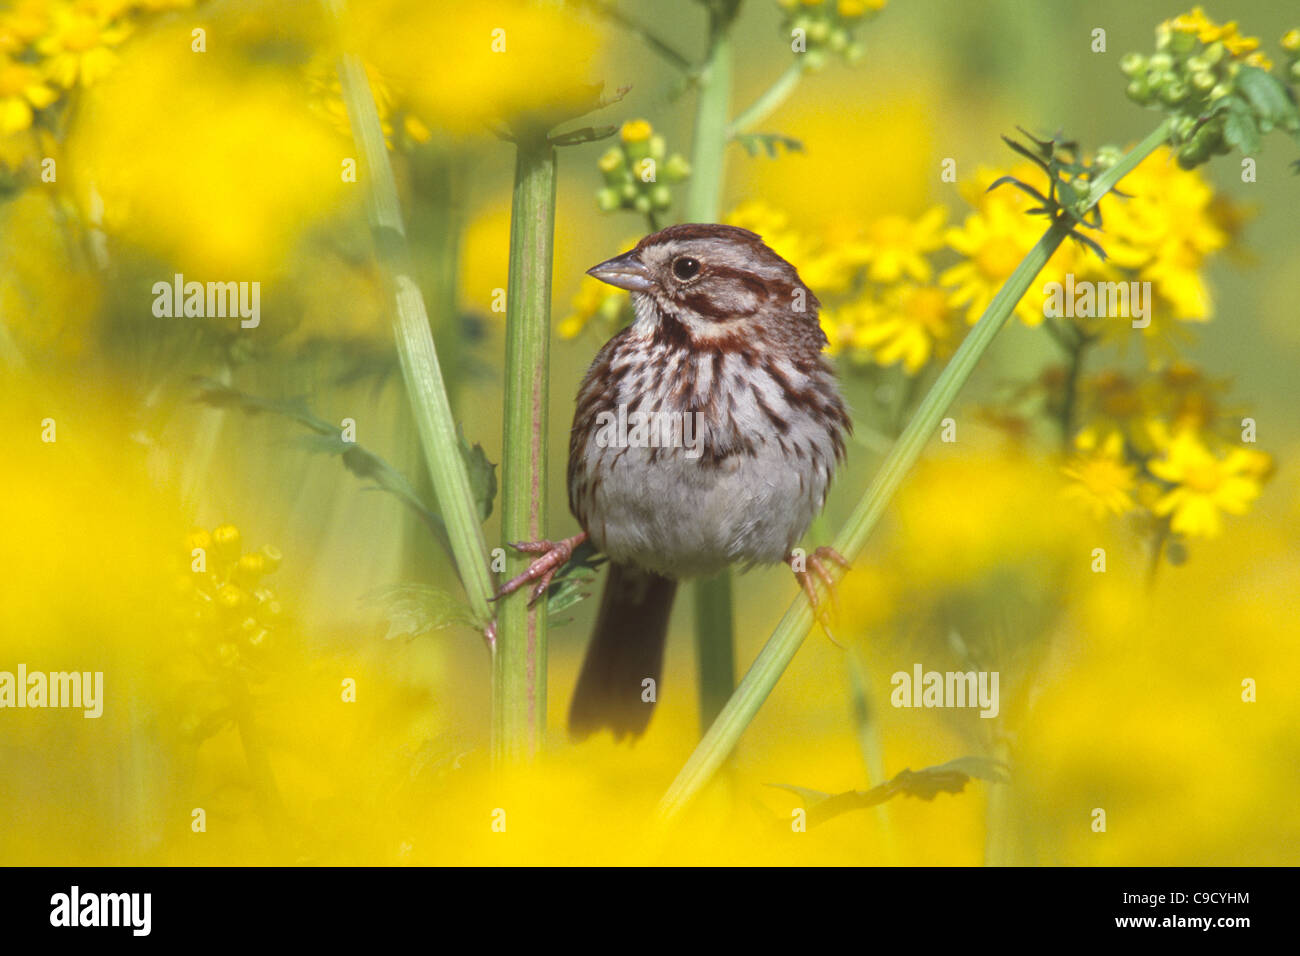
{"x": 1107, "y": 156}
{"x": 819, "y": 32}
{"x": 607, "y": 200}
{"x": 657, "y": 148}
{"x": 1139, "y": 92}
{"x": 1183, "y": 43}
{"x": 1203, "y": 81}
{"x": 677, "y": 168}
{"x": 1219, "y": 91}
{"x": 1132, "y": 64}
{"x": 661, "y": 196}
{"x": 641, "y": 204}
{"x": 628, "y": 192}
{"x": 815, "y": 59}
{"x": 1191, "y": 155}
{"x": 1295, "y": 71}
{"x": 1160, "y": 62}
{"x": 1213, "y": 53}
{"x": 839, "y": 40}
{"x": 1175, "y": 92}
{"x": 1196, "y": 64}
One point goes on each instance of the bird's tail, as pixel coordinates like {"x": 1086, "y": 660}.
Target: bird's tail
{"x": 627, "y": 647}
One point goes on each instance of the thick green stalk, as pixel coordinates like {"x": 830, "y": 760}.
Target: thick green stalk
{"x": 519, "y": 664}
{"x": 794, "y": 626}
{"x": 714, "y": 627}
{"x": 415, "y": 348}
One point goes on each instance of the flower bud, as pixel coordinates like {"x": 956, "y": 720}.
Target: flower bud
{"x": 1203, "y": 81}
{"x": 661, "y": 196}
{"x": 1132, "y": 64}
{"x": 1160, "y": 62}
{"x": 1219, "y": 91}
{"x": 1213, "y": 53}
{"x": 1139, "y": 92}
{"x": 1295, "y": 71}
{"x": 607, "y": 200}
{"x": 677, "y": 168}
{"x": 1175, "y": 92}
{"x": 225, "y": 542}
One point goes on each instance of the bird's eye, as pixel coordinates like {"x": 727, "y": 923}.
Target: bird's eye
{"x": 684, "y": 267}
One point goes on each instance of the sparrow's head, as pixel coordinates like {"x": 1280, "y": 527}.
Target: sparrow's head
{"x": 711, "y": 282}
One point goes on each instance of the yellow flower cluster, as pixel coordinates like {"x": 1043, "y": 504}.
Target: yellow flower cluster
{"x": 1197, "y": 24}
{"x": 1162, "y": 233}
{"x": 51, "y": 46}
{"x": 326, "y": 101}
{"x": 1164, "y": 447}
{"x": 228, "y": 612}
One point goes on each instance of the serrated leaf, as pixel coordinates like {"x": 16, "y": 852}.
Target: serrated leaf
{"x": 926, "y": 784}
{"x": 1272, "y": 102}
{"x": 1240, "y": 129}
{"x": 417, "y": 609}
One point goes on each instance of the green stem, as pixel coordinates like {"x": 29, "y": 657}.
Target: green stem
{"x": 415, "y": 347}
{"x": 519, "y": 664}
{"x": 714, "y": 627}
{"x": 772, "y": 97}
{"x": 794, "y": 626}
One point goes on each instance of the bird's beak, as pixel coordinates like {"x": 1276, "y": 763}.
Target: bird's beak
{"x": 625, "y": 272}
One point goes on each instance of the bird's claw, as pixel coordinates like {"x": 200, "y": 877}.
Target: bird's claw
{"x": 553, "y": 555}
{"x": 817, "y": 562}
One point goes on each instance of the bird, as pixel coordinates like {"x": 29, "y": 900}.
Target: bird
{"x": 705, "y": 436}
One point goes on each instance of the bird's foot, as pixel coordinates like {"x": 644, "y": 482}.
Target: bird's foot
{"x": 553, "y": 556}
{"x": 804, "y": 567}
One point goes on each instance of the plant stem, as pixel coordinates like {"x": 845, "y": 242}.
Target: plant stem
{"x": 1071, "y": 397}
{"x": 415, "y": 347}
{"x": 519, "y": 664}
{"x": 772, "y": 97}
{"x": 714, "y": 627}
{"x": 715, "y": 658}
{"x": 794, "y": 626}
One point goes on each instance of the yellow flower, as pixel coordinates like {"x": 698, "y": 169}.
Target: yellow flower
{"x": 1204, "y": 484}
{"x": 911, "y": 323}
{"x": 994, "y": 240}
{"x": 1102, "y": 482}
{"x": 1207, "y": 31}
{"x": 895, "y": 246}
{"x": 1291, "y": 41}
{"x": 1165, "y": 231}
{"x": 78, "y": 48}
{"x": 636, "y": 131}
{"x": 22, "y": 24}
{"x": 22, "y": 90}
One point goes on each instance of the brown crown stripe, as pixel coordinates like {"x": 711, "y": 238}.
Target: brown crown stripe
{"x": 698, "y": 230}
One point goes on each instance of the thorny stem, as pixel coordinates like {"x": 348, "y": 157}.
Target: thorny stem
{"x": 776, "y": 655}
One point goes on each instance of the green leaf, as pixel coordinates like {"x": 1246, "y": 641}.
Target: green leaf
{"x": 482, "y": 474}
{"x": 1272, "y": 102}
{"x": 1239, "y": 127}
{"x": 416, "y": 609}
{"x": 926, "y": 784}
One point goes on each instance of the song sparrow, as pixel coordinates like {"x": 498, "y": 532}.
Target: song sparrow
{"x": 726, "y": 333}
